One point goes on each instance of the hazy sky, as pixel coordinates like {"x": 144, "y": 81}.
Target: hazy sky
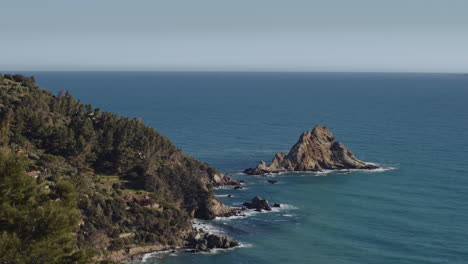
{"x": 261, "y": 35}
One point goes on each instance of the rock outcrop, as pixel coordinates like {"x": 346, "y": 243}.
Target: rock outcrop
{"x": 201, "y": 241}
{"x": 316, "y": 150}
{"x": 258, "y": 204}
{"x": 215, "y": 208}
{"x": 221, "y": 179}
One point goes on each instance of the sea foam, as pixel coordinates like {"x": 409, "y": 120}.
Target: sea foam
{"x": 252, "y": 212}
{"x": 326, "y": 172}
{"x": 207, "y": 227}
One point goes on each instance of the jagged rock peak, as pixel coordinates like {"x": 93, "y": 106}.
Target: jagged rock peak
{"x": 315, "y": 150}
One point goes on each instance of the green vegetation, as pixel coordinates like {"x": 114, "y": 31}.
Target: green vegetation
{"x": 37, "y": 224}
{"x": 74, "y": 178}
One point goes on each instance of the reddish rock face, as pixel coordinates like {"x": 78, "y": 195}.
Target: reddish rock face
{"x": 315, "y": 150}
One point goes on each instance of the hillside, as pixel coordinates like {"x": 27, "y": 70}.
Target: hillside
{"x": 132, "y": 187}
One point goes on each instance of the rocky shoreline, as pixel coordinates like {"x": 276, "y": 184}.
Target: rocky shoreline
{"x": 131, "y": 254}
{"x": 316, "y": 150}
{"x": 196, "y": 241}
{"x": 201, "y": 241}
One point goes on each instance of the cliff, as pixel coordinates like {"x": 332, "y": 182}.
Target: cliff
{"x": 315, "y": 150}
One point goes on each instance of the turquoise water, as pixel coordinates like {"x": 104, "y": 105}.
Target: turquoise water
{"x": 415, "y": 123}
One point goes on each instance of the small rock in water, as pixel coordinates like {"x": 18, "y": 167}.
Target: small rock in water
{"x": 238, "y": 188}
{"x": 272, "y": 181}
{"x": 276, "y": 205}
{"x": 229, "y": 195}
{"x": 258, "y": 204}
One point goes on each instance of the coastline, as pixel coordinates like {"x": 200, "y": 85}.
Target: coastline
{"x": 129, "y": 255}
{"x": 198, "y": 227}
{"x": 321, "y": 172}
{"x": 138, "y": 253}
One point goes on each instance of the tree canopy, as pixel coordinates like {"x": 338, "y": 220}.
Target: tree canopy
{"x": 74, "y": 178}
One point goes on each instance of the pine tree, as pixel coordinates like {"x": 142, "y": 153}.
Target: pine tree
{"x": 36, "y": 226}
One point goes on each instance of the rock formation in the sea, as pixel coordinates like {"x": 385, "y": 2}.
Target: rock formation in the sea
{"x": 202, "y": 241}
{"x": 214, "y": 208}
{"x": 316, "y": 150}
{"x": 258, "y": 204}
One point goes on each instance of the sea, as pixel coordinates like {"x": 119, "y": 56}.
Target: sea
{"x": 415, "y": 126}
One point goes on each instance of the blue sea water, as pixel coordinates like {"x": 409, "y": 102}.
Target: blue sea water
{"x": 414, "y": 123}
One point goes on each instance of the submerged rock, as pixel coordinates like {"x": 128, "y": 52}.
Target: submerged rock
{"x": 272, "y": 181}
{"x": 258, "y": 204}
{"x": 315, "y": 150}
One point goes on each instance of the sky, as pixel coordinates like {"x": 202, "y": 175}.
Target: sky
{"x": 236, "y": 35}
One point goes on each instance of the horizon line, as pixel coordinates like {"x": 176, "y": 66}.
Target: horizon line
{"x": 222, "y": 71}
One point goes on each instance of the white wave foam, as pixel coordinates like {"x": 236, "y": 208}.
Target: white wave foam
{"x": 230, "y": 187}
{"x": 245, "y": 245}
{"x": 148, "y": 256}
{"x": 283, "y": 207}
{"x": 218, "y": 250}
{"x": 317, "y": 173}
{"x": 288, "y": 207}
{"x": 252, "y": 212}
{"x": 224, "y": 195}
{"x": 244, "y": 214}
{"x": 224, "y": 187}
{"x": 381, "y": 169}
{"x": 325, "y": 172}
{"x": 208, "y": 228}
{"x": 288, "y": 215}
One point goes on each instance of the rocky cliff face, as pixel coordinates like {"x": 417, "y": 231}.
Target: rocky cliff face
{"x": 316, "y": 150}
